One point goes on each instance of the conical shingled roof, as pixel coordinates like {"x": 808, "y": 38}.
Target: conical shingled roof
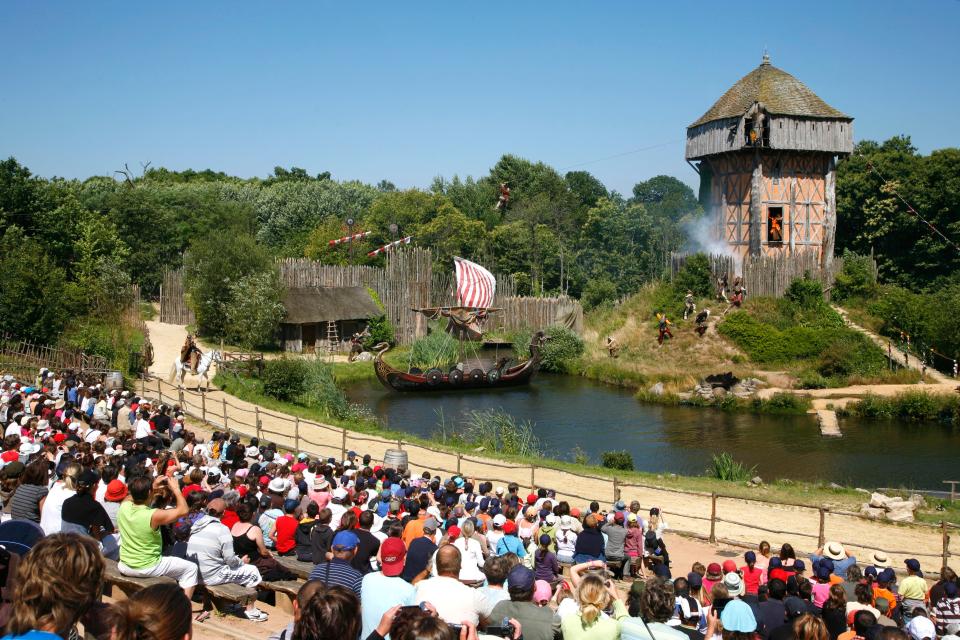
{"x": 780, "y": 93}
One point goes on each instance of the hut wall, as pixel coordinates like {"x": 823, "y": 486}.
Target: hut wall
{"x": 291, "y": 338}
{"x": 810, "y": 134}
{"x": 719, "y": 136}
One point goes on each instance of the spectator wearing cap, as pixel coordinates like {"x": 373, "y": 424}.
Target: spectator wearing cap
{"x": 913, "y": 589}
{"x": 420, "y": 555}
{"x": 82, "y": 513}
{"x": 881, "y": 589}
{"x": 285, "y": 528}
{"x": 455, "y": 602}
{"x": 537, "y": 623}
{"x": 510, "y": 543}
{"x": 752, "y": 575}
{"x": 838, "y": 555}
{"x": 946, "y": 610}
{"x": 495, "y": 532}
{"x": 385, "y": 589}
{"x": 211, "y": 547}
{"x": 921, "y": 627}
{"x": 566, "y": 540}
{"x": 737, "y": 618}
{"x": 616, "y": 535}
{"x": 338, "y": 570}
{"x": 112, "y": 498}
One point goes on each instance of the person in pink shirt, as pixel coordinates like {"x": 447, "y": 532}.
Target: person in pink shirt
{"x": 752, "y": 575}
{"x": 320, "y": 492}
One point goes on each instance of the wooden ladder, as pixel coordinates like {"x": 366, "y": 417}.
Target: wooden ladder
{"x": 332, "y": 338}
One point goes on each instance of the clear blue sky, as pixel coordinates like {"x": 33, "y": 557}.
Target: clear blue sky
{"x": 410, "y": 90}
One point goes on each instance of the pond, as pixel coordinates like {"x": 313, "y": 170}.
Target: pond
{"x": 570, "y": 412}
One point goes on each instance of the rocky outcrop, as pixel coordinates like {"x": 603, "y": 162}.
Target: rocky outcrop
{"x": 893, "y": 508}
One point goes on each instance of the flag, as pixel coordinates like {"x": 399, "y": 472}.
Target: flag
{"x": 475, "y": 285}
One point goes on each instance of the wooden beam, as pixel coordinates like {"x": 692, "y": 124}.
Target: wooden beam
{"x": 756, "y": 182}
{"x": 829, "y": 215}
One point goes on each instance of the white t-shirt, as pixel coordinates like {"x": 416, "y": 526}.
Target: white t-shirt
{"x": 143, "y": 429}
{"x": 566, "y": 542}
{"x": 455, "y": 602}
{"x": 471, "y": 559}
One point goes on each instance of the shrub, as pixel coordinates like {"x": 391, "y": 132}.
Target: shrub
{"x": 563, "y": 346}
{"x": 695, "y": 275}
{"x": 621, "y": 460}
{"x": 856, "y": 279}
{"x": 781, "y": 403}
{"x": 380, "y": 331}
{"x": 497, "y": 430}
{"x": 910, "y": 406}
{"x": 724, "y": 467}
{"x": 598, "y": 291}
{"x": 284, "y": 379}
{"x": 805, "y": 292}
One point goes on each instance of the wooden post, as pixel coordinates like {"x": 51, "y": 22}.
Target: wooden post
{"x": 224, "y": 413}
{"x": 399, "y": 443}
{"x": 159, "y": 392}
{"x": 946, "y": 542}
{"x": 616, "y": 489}
{"x": 203, "y": 405}
{"x": 343, "y": 445}
{"x": 822, "y": 535}
{"x": 143, "y": 384}
{"x": 296, "y": 433}
{"x": 713, "y": 518}
{"x": 533, "y": 481}
{"x": 459, "y": 457}
{"x": 180, "y": 396}
{"x": 256, "y": 419}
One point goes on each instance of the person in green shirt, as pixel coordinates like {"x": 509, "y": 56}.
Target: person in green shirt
{"x": 141, "y": 545}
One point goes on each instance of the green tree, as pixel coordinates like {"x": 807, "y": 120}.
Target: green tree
{"x": 212, "y": 268}
{"x": 255, "y": 309}
{"x": 586, "y": 188}
{"x": 666, "y": 196}
{"x": 32, "y": 304}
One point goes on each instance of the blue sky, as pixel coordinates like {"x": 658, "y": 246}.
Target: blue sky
{"x": 410, "y": 90}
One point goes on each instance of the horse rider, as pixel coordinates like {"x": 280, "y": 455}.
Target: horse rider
{"x": 190, "y": 353}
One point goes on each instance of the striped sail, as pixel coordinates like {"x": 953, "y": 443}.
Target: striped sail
{"x": 475, "y": 285}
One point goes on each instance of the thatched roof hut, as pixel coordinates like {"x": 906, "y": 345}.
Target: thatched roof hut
{"x": 324, "y": 314}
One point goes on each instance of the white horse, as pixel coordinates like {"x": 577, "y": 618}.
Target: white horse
{"x": 180, "y": 370}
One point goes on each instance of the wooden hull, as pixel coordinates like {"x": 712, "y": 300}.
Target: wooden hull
{"x": 455, "y": 380}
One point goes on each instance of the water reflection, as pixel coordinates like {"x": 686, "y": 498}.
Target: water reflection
{"x": 573, "y": 412}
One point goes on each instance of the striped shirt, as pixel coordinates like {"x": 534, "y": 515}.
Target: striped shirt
{"x": 947, "y": 612}
{"x": 25, "y": 504}
{"x": 338, "y": 572}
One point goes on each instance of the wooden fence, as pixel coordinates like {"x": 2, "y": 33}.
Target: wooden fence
{"x": 710, "y": 516}
{"x": 25, "y": 359}
{"x": 766, "y": 275}
{"x": 173, "y": 300}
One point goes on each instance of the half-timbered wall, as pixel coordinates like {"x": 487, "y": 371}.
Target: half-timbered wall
{"x": 796, "y": 182}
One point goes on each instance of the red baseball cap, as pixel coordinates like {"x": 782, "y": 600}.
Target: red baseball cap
{"x": 10, "y": 456}
{"x": 392, "y": 555}
{"x": 453, "y": 532}
{"x": 509, "y": 526}
{"x": 264, "y": 481}
{"x": 59, "y": 438}
{"x": 729, "y": 566}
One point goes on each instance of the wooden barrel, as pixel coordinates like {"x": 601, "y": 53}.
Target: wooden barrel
{"x": 395, "y": 459}
{"x": 113, "y": 380}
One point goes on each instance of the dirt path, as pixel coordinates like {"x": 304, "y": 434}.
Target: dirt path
{"x": 741, "y": 520}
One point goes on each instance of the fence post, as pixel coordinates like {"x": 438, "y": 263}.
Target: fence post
{"x": 296, "y": 433}
{"x": 343, "y": 444}
{"x": 159, "y": 392}
{"x": 533, "y": 481}
{"x": 180, "y": 397}
{"x": 946, "y": 542}
{"x": 822, "y": 535}
{"x": 713, "y": 518}
{"x": 616, "y": 489}
{"x": 256, "y": 419}
{"x": 224, "y": 414}
{"x": 143, "y": 385}
{"x": 399, "y": 443}
{"x": 203, "y": 405}
{"x": 459, "y": 457}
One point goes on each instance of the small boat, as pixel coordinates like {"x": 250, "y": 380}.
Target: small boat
{"x": 475, "y": 289}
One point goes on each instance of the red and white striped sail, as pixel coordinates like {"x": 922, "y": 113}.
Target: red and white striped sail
{"x": 475, "y": 285}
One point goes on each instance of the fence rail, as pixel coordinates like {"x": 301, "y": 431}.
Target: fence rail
{"x": 710, "y": 516}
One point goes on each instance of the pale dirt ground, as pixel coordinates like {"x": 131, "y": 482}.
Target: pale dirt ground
{"x": 744, "y": 521}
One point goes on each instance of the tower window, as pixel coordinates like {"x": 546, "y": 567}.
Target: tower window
{"x": 775, "y": 226}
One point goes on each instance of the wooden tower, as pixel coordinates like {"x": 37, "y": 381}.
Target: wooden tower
{"x": 766, "y": 153}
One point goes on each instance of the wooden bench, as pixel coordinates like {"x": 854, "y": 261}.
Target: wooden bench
{"x": 285, "y": 592}
{"x": 220, "y": 595}
{"x": 296, "y": 567}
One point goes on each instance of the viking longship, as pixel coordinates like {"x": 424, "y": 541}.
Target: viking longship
{"x": 465, "y": 321}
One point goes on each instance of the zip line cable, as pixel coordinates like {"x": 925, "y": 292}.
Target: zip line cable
{"x": 625, "y": 153}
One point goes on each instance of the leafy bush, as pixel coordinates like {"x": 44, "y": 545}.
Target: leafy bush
{"x": 380, "y": 331}
{"x": 805, "y": 292}
{"x": 598, "y": 291}
{"x": 284, "y": 379}
{"x": 767, "y": 344}
{"x": 781, "y": 403}
{"x": 436, "y": 349}
{"x": 910, "y": 406}
{"x": 724, "y": 467}
{"x": 621, "y": 460}
{"x": 856, "y": 279}
{"x": 563, "y": 346}
{"x": 695, "y": 275}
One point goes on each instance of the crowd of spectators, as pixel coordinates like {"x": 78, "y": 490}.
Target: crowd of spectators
{"x": 89, "y": 477}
